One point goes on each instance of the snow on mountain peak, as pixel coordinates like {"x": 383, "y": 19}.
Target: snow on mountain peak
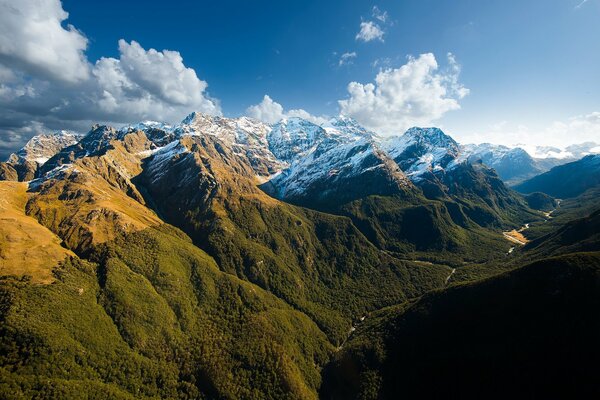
{"x": 294, "y": 136}
{"x": 40, "y": 148}
{"x": 294, "y": 154}
{"x": 147, "y": 125}
{"x": 189, "y": 119}
{"x": 423, "y": 150}
{"x": 346, "y": 125}
{"x": 431, "y": 136}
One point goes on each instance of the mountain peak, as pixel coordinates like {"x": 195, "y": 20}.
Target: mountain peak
{"x": 197, "y": 117}
{"x": 431, "y": 135}
{"x": 147, "y": 125}
{"x": 347, "y": 125}
{"x": 42, "y": 147}
{"x": 421, "y": 151}
{"x": 292, "y": 136}
{"x": 189, "y": 119}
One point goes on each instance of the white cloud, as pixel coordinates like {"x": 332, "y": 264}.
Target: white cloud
{"x": 347, "y": 58}
{"x": 46, "y": 81}
{"x": 300, "y": 113}
{"x": 163, "y": 74}
{"x": 32, "y": 39}
{"x": 369, "y": 31}
{"x": 578, "y": 6}
{"x": 267, "y": 110}
{"x": 270, "y": 111}
{"x": 414, "y": 94}
{"x": 149, "y": 83}
{"x": 380, "y": 15}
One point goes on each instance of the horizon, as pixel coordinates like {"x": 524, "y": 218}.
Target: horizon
{"x": 482, "y": 74}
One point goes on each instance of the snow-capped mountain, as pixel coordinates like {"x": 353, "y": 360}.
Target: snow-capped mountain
{"x": 511, "y": 164}
{"x": 324, "y": 163}
{"x": 347, "y": 125}
{"x": 246, "y": 136}
{"x": 95, "y": 142}
{"x": 200, "y": 162}
{"x": 41, "y": 148}
{"x": 25, "y": 163}
{"x": 294, "y": 160}
{"x": 516, "y": 164}
{"x": 422, "y": 151}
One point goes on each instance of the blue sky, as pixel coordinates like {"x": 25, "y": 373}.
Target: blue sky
{"x": 530, "y": 66}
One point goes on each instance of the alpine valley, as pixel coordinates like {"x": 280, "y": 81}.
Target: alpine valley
{"x": 227, "y": 258}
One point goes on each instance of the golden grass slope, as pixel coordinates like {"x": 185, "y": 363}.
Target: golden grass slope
{"x": 94, "y": 200}
{"x": 26, "y": 247}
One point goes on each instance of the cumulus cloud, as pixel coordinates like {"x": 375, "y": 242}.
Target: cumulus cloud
{"x": 33, "y": 39}
{"x": 46, "y": 81}
{"x": 369, "y": 31}
{"x": 267, "y": 110}
{"x": 149, "y": 83}
{"x": 417, "y": 93}
{"x": 270, "y": 111}
{"x": 347, "y": 58}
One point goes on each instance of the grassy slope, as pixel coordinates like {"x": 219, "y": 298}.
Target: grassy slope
{"x": 26, "y": 247}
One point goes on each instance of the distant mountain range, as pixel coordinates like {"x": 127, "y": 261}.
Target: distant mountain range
{"x": 568, "y": 180}
{"x": 514, "y": 164}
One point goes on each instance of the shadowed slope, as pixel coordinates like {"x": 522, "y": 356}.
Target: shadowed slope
{"x": 531, "y": 332}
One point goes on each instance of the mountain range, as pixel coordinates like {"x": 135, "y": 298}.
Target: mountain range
{"x": 568, "y": 180}
{"x": 515, "y": 165}
{"x": 229, "y": 258}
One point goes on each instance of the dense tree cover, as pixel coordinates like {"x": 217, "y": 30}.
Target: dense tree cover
{"x": 540, "y": 201}
{"x": 152, "y": 316}
{"x": 528, "y": 333}
{"x": 567, "y": 210}
{"x": 436, "y": 231}
{"x": 319, "y": 263}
